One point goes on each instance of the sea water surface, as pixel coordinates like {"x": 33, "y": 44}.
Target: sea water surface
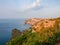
{"x": 6, "y": 27}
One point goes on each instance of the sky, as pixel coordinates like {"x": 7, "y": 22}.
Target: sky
{"x": 16, "y": 9}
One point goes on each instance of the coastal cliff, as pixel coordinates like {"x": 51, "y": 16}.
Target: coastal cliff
{"x": 41, "y": 32}
{"x": 38, "y": 24}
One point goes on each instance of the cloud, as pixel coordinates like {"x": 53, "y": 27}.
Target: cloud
{"x": 34, "y": 4}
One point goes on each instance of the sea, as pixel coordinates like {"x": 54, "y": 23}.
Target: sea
{"x": 6, "y": 27}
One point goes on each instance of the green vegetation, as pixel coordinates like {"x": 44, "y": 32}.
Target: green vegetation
{"x": 45, "y": 37}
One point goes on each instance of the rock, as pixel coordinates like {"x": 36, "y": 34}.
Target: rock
{"x": 15, "y": 33}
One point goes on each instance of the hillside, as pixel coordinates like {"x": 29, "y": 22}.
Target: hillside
{"x": 41, "y": 32}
